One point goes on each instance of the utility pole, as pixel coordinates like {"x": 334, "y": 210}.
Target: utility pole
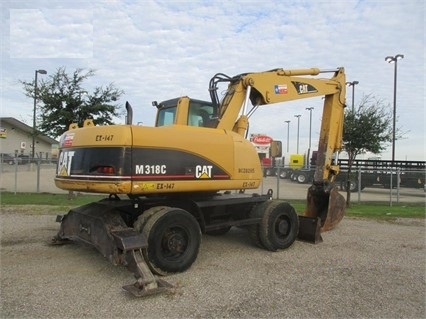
{"x": 310, "y": 134}
{"x": 288, "y": 132}
{"x": 34, "y": 112}
{"x": 298, "y": 125}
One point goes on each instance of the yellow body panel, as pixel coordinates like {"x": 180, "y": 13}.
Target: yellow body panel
{"x": 103, "y": 187}
{"x": 226, "y": 149}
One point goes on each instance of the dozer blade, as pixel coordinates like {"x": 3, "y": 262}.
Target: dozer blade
{"x": 325, "y": 202}
{"x": 100, "y": 225}
{"x": 146, "y": 284}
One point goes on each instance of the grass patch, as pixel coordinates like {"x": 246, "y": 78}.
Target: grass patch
{"x": 370, "y": 209}
{"x": 7, "y": 198}
{"x": 378, "y": 210}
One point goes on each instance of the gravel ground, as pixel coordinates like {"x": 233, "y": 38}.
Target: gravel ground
{"x": 363, "y": 269}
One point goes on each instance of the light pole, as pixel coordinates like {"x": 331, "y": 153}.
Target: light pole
{"x": 288, "y": 132}
{"x": 353, "y": 83}
{"x": 391, "y": 59}
{"x": 298, "y": 123}
{"x": 34, "y": 111}
{"x": 310, "y": 133}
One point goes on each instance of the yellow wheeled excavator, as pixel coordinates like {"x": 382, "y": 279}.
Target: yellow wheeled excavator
{"x": 187, "y": 175}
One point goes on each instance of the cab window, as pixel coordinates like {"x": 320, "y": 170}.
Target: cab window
{"x": 166, "y": 116}
{"x": 201, "y": 114}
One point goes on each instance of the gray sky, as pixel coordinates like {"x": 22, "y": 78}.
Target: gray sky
{"x": 157, "y": 50}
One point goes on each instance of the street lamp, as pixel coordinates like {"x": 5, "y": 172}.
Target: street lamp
{"x": 353, "y": 83}
{"x": 288, "y": 132}
{"x": 298, "y": 122}
{"x": 310, "y": 132}
{"x": 34, "y": 111}
{"x": 391, "y": 59}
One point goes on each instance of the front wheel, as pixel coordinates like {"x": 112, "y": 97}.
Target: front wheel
{"x": 279, "y": 226}
{"x": 174, "y": 238}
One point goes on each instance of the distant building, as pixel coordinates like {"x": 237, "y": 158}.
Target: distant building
{"x": 16, "y": 139}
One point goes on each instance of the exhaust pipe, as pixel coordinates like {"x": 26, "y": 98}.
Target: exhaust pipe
{"x": 129, "y": 116}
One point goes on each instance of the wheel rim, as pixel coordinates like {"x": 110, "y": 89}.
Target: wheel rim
{"x": 282, "y": 227}
{"x": 174, "y": 243}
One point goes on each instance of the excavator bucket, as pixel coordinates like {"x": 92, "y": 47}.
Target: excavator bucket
{"x": 325, "y": 209}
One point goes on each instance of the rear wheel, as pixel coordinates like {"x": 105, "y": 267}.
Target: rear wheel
{"x": 174, "y": 239}
{"x": 143, "y": 219}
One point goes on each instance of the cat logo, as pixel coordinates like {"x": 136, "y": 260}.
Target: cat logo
{"x": 203, "y": 171}
{"x": 64, "y": 163}
{"x": 63, "y": 171}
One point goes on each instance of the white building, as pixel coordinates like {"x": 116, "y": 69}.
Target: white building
{"x": 16, "y": 138}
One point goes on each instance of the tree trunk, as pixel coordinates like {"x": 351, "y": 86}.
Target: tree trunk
{"x": 348, "y": 182}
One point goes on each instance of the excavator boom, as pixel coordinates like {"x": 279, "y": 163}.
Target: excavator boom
{"x": 323, "y": 200}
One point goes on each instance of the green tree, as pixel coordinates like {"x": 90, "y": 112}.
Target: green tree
{"x": 366, "y": 129}
{"x": 65, "y": 101}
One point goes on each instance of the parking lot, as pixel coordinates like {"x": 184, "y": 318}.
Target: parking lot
{"x": 363, "y": 269}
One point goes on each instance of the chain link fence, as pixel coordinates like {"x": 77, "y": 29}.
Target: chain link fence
{"x": 28, "y": 176}
{"x": 288, "y": 184}
{"x": 364, "y": 184}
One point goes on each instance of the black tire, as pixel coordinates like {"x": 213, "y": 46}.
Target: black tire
{"x": 254, "y": 234}
{"x": 174, "y": 238}
{"x": 279, "y": 227}
{"x": 140, "y": 223}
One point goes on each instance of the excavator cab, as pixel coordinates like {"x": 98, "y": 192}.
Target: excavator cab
{"x": 186, "y": 111}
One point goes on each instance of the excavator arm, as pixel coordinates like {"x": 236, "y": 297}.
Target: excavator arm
{"x": 275, "y": 86}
